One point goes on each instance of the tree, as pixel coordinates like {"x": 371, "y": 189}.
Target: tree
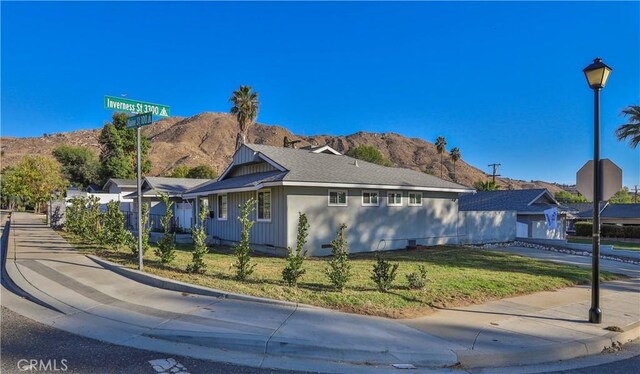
{"x": 631, "y": 129}
{"x": 12, "y": 190}
{"x": 245, "y": 107}
{"x": 295, "y": 258}
{"x": 486, "y": 186}
{"x": 113, "y": 230}
{"x": 441, "y": 145}
{"x": 34, "y": 179}
{"x": 180, "y": 172}
{"x": 79, "y": 164}
{"x": 202, "y": 172}
{"x": 166, "y": 249}
{"x": 199, "y": 235}
{"x": 118, "y": 150}
{"x": 370, "y": 154}
{"x": 242, "y": 250}
{"x": 567, "y": 197}
{"x": 383, "y": 273}
{"x": 621, "y": 197}
{"x": 455, "y": 157}
{"x": 339, "y": 268}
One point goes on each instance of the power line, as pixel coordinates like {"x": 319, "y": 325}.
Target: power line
{"x": 495, "y": 171}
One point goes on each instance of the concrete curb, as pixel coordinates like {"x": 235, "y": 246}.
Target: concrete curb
{"x": 547, "y": 353}
{"x": 173, "y": 285}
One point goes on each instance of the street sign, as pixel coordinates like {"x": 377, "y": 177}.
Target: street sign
{"x": 134, "y": 106}
{"x": 139, "y": 120}
{"x": 611, "y": 179}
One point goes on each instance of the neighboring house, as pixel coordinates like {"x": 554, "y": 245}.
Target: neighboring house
{"x": 383, "y": 207}
{"x": 182, "y": 209}
{"x": 120, "y": 188}
{"x": 619, "y": 214}
{"x": 529, "y": 206}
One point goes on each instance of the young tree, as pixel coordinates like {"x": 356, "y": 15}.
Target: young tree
{"x": 199, "y": 236}
{"x": 630, "y": 130}
{"x": 295, "y": 258}
{"x": 370, "y": 154}
{"x": 245, "y": 107}
{"x": 166, "y": 249}
{"x": 242, "y": 250}
{"x": 384, "y": 273}
{"x": 79, "y": 164}
{"x": 118, "y": 150}
{"x": 441, "y": 145}
{"x": 455, "y": 157}
{"x": 113, "y": 231}
{"x": 339, "y": 268}
{"x": 202, "y": 172}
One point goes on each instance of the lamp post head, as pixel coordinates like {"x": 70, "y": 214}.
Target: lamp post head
{"x": 597, "y": 74}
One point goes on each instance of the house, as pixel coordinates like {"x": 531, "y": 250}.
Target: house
{"x": 383, "y": 207}
{"x": 117, "y": 189}
{"x": 182, "y": 209}
{"x": 617, "y": 214}
{"x": 529, "y": 207}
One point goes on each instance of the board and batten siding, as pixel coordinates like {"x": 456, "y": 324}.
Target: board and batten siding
{"x": 264, "y": 235}
{"x": 244, "y": 155}
{"x": 247, "y": 169}
{"x": 372, "y": 228}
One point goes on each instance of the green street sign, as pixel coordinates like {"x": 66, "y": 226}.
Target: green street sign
{"x": 134, "y": 106}
{"x": 139, "y": 120}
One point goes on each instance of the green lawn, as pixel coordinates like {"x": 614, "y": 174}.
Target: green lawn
{"x": 629, "y": 246}
{"x": 456, "y": 277}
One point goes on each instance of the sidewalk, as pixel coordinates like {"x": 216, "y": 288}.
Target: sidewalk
{"x": 90, "y": 300}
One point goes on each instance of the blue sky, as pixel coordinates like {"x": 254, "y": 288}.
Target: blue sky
{"x": 502, "y": 81}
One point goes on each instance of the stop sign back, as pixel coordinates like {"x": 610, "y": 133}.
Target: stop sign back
{"x": 611, "y": 181}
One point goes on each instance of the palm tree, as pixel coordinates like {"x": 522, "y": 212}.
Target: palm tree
{"x": 632, "y": 129}
{"x": 455, "y": 157}
{"x": 441, "y": 145}
{"x": 245, "y": 107}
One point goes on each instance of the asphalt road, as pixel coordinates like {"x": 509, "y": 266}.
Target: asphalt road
{"x": 23, "y": 340}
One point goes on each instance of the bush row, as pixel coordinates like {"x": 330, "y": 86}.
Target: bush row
{"x": 608, "y": 231}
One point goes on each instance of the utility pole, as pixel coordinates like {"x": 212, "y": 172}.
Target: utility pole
{"x": 635, "y": 194}
{"x": 495, "y": 170}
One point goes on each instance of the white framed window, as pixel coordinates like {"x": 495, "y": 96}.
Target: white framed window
{"x": 337, "y": 197}
{"x": 222, "y": 207}
{"x": 415, "y": 198}
{"x": 394, "y": 198}
{"x": 370, "y": 198}
{"x": 264, "y": 205}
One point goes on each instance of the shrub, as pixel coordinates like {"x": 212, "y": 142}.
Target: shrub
{"x": 199, "y": 236}
{"x": 113, "y": 230}
{"x": 145, "y": 233}
{"x": 339, "y": 268}
{"x": 166, "y": 249}
{"x": 295, "y": 259}
{"x": 243, "y": 265}
{"x": 583, "y": 228}
{"x": 418, "y": 279}
{"x": 384, "y": 273}
{"x": 608, "y": 230}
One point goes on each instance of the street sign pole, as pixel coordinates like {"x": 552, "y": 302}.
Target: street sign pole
{"x": 595, "y": 314}
{"x": 139, "y": 181}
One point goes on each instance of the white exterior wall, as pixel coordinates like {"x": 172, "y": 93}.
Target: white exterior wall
{"x": 477, "y": 227}
{"x": 538, "y": 228}
{"x": 372, "y": 228}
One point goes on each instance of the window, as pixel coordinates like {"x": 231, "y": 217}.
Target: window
{"x": 337, "y": 197}
{"x": 370, "y": 198}
{"x": 264, "y": 205}
{"x": 415, "y": 198}
{"x": 394, "y": 198}
{"x": 222, "y": 207}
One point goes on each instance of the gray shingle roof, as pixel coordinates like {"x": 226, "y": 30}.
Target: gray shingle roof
{"x": 306, "y": 166}
{"x": 172, "y": 186}
{"x": 621, "y": 211}
{"x": 120, "y": 183}
{"x": 517, "y": 200}
{"x": 250, "y": 180}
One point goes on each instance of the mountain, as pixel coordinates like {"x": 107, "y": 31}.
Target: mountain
{"x": 209, "y": 138}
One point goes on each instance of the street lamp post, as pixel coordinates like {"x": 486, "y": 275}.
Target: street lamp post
{"x": 597, "y": 74}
